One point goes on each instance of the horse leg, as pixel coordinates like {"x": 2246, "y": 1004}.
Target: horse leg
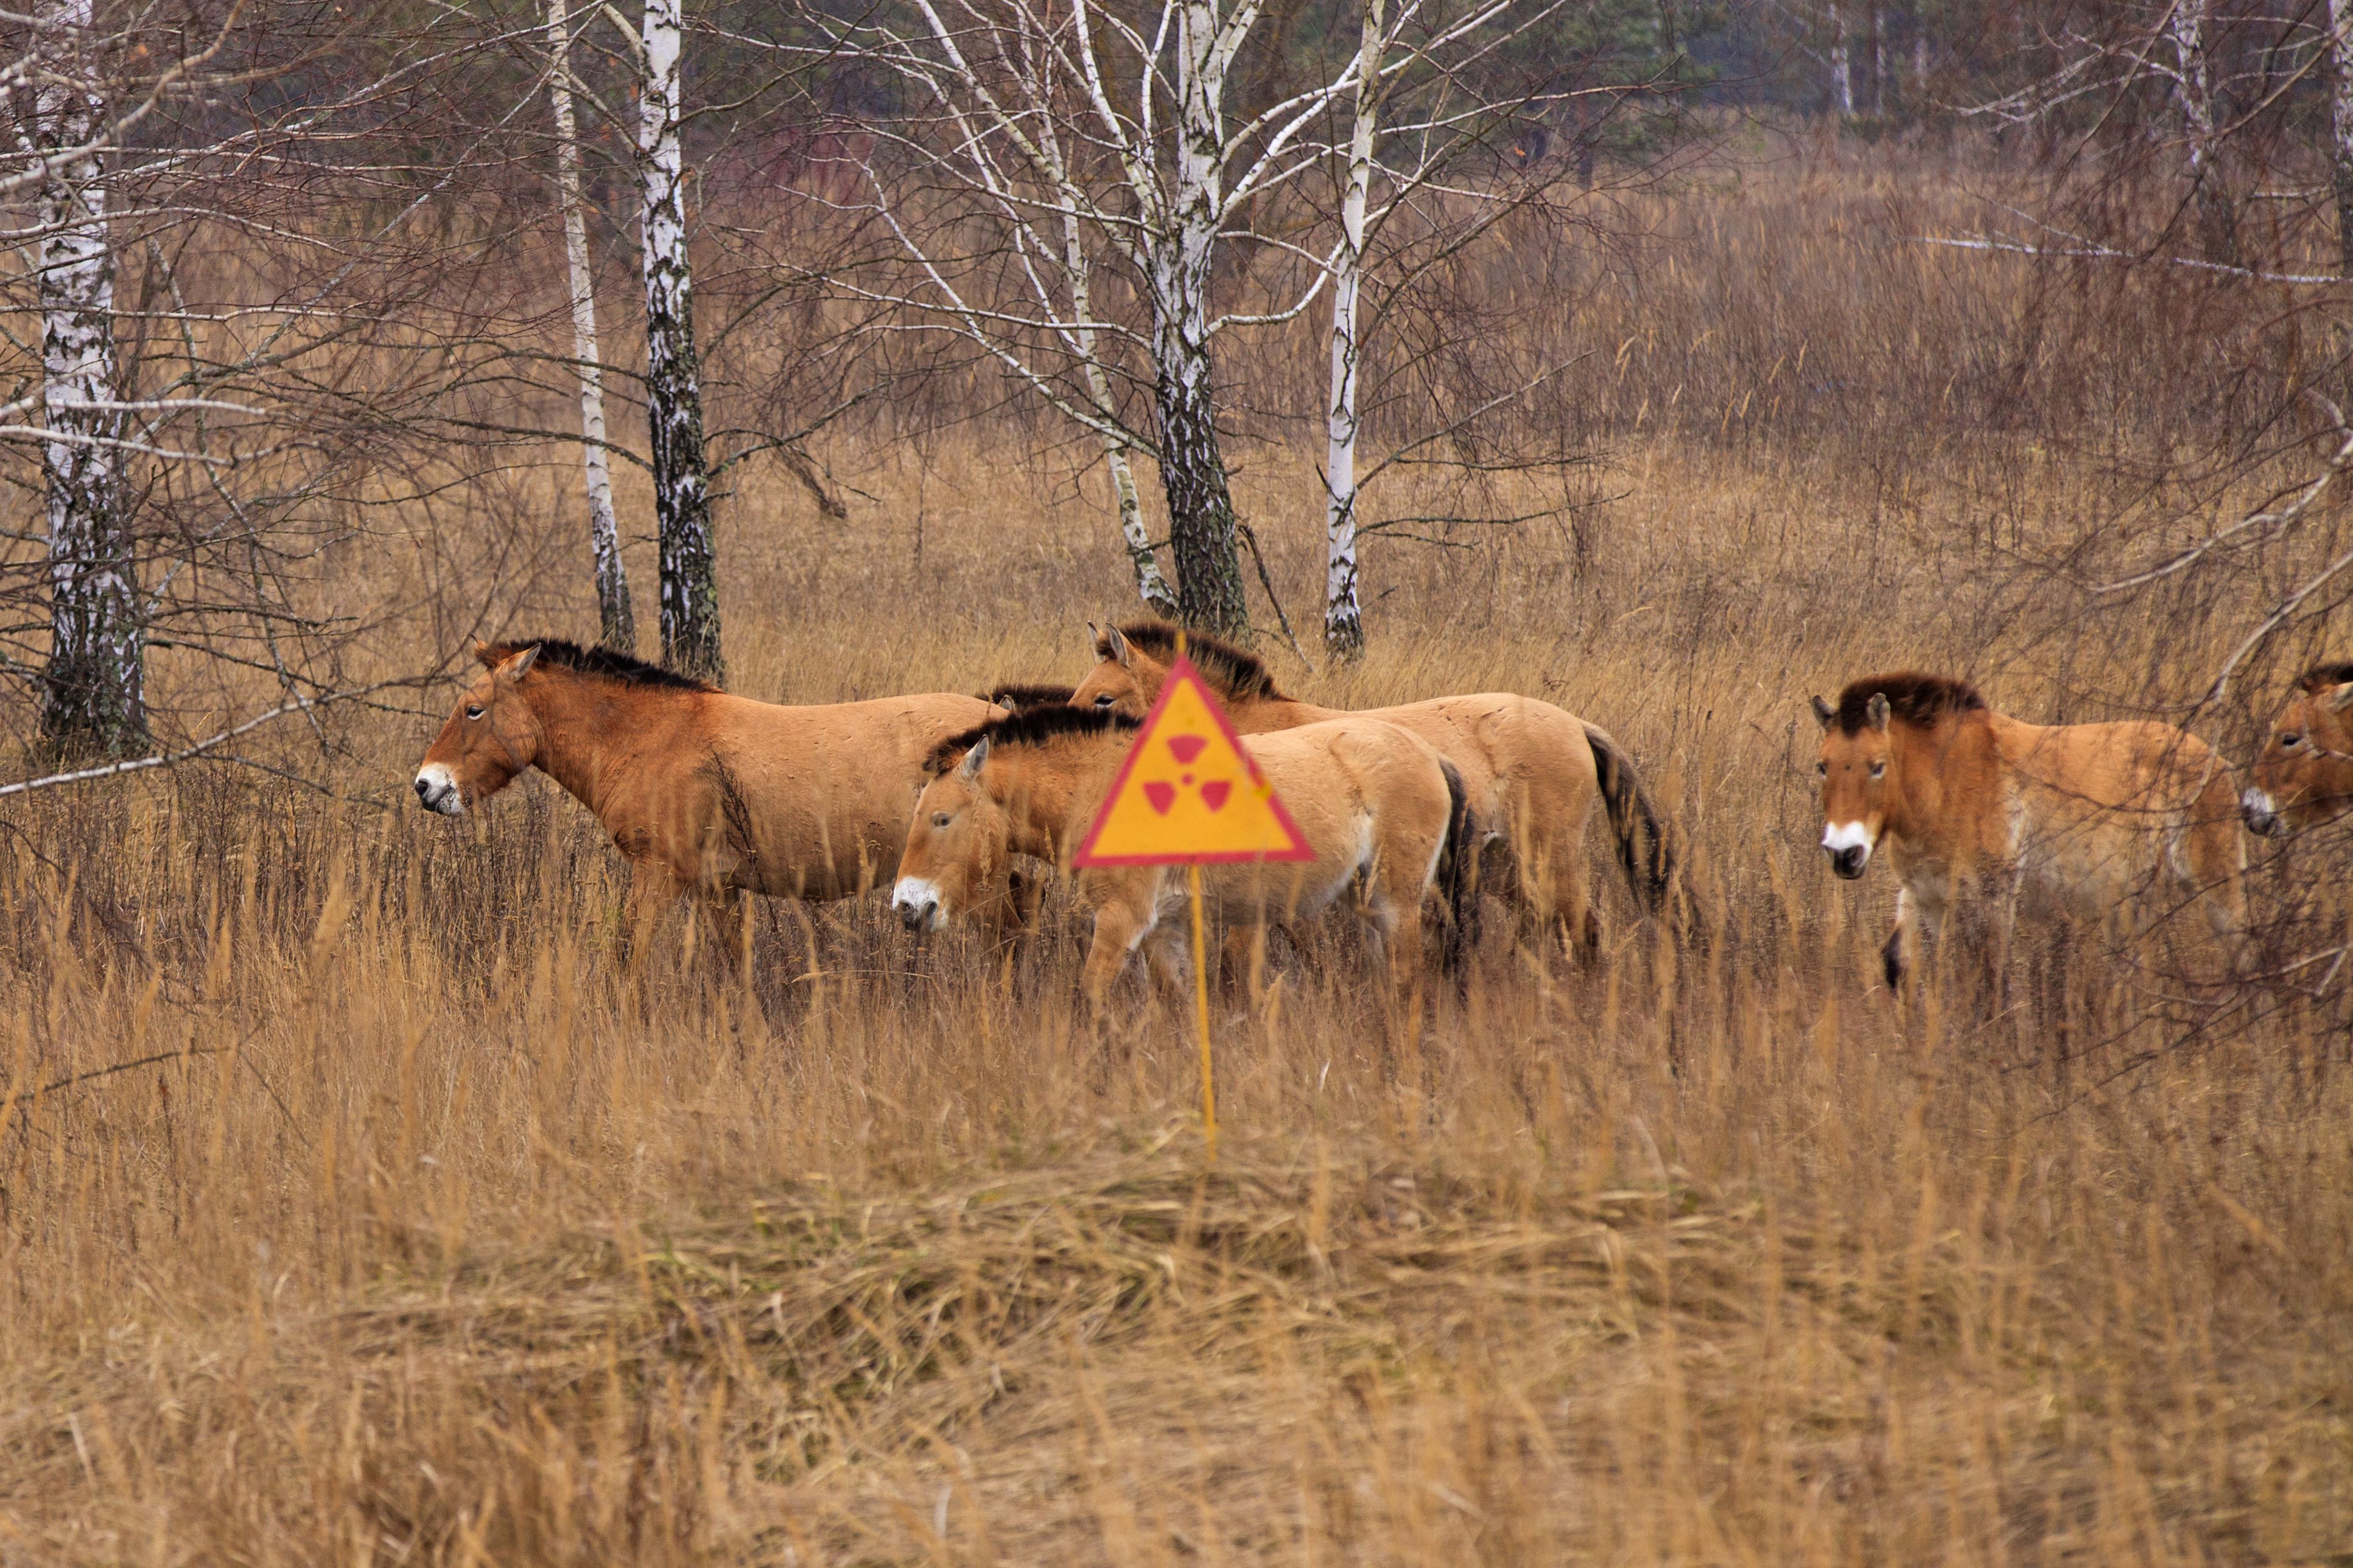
{"x": 1921, "y": 904}
{"x": 729, "y": 910}
{"x": 1120, "y": 925}
{"x": 653, "y": 889}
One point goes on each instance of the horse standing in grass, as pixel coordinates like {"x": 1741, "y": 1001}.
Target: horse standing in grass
{"x": 1377, "y": 805}
{"x": 1531, "y": 770}
{"x": 2305, "y": 773}
{"x": 704, "y": 793}
{"x": 2077, "y": 817}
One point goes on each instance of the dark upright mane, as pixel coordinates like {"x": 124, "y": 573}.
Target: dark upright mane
{"x": 2321, "y": 677}
{"x": 627, "y": 669}
{"x": 1030, "y": 727}
{"x": 1018, "y": 695}
{"x": 1913, "y": 698}
{"x": 1235, "y": 672}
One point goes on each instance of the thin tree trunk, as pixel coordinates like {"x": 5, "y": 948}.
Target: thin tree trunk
{"x": 1201, "y": 533}
{"x": 1878, "y": 62}
{"x": 1842, "y": 68}
{"x": 617, "y": 622}
{"x": 1344, "y": 615}
{"x": 94, "y": 698}
{"x": 690, "y": 587}
{"x": 2193, "y": 85}
{"x": 1150, "y": 585}
{"x": 2340, "y": 104}
{"x": 1920, "y": 56}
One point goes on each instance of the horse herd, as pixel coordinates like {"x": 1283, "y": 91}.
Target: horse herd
{"x": 1410, "y": 809}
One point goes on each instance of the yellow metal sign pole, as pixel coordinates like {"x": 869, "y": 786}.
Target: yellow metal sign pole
{"x": 1201, "y": 1014}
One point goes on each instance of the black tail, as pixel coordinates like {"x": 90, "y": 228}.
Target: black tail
{"x": 1457, "y": 863}
{"x": 1643, "y": 847}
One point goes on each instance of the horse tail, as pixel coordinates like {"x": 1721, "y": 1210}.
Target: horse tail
{"x": 1643, "y": 845}
{"x": 1458, "y": 859}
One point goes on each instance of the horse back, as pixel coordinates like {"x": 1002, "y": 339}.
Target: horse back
{"x": 1508, "y": 747}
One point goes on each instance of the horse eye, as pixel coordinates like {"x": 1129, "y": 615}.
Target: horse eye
{"x": 473, "y": 709}
{"x": 2289, "y": 740}
{"x": 940, "y": 819}
{"x": 1104, "y": 701}
{"x": 1878, "y": 769}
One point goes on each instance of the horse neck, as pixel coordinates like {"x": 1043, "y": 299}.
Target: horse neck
{"x": 582, "y": 722}
{"x": 1934, "y": 765}
{"x": 1051, "y": 792}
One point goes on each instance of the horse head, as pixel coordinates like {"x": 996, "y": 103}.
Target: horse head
{"x": 1853, "y": 769}
{"x": 2305, "y": 772}
{"x": 957, "y": 851}
{"x": 1126, "y": 679}
{"x": 491, "y": 735}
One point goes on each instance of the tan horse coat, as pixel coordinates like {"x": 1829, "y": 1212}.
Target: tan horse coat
{"x": 702, "y": 793}
{"x": 1531, "y": 772}
{"x": 2305, "y": 773}
{"x": 1373, "y": 801}
{"x": 2079, "y": 819}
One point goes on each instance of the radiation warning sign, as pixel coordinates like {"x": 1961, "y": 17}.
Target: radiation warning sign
{"x": 1188, "y": 791}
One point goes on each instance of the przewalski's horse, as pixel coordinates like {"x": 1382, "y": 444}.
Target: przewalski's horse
{"x": 2079, "y": 817}
{"x": 1377, "y": 805}
{"x": 1531, "y": 770}
{"x": 704, "y": 793}
{"x": 2304, "y": 774}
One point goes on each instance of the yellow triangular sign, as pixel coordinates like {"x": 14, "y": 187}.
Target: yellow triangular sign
{"x": 1189, "y": 791}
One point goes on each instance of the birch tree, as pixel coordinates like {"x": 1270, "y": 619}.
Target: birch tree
{"x": 94, "y": 696}
{"x": 617, "y": 620}
{"x": 2340, "y": 126}
{"x": 2188, "y": 27}
{"x": 1343, "y": 619}
{"x": 1842, "y": 64}
{"x": 690, "y": 587}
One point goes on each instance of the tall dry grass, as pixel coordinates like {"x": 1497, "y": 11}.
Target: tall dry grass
{"x": 359, "y": 1204}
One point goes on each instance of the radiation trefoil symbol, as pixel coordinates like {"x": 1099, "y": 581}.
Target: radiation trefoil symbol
{"x": 1188, "y": 791}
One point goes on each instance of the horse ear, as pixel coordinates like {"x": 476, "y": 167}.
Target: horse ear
{"x": 2340, "y": 698}
{"x": 1115, "y": 645}
{"x": 1877, "y": 711}
{"x": 1824, "y": 714}
{"x": 486, "y": 654}
{"x": 972, "y": 760}
{"x": 519, "y": 665}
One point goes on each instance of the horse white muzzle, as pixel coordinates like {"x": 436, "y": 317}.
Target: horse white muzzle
{"x": 2263, "y": 817}
{"x": 437, "y": 790}
{"x": 1847, "y": 843}
{"x": 918, "y": 903}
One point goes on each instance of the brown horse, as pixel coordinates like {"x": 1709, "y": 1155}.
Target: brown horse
{"x": 2075, "y": 817}
{"x": 1531, "y": 770}
{"x": 1375, "y": 803}
{"x": 2305, "y": 773}
{"x": 703, "y": 793}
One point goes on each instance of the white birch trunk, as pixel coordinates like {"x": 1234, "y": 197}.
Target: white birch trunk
{"x": 1192, "y": 468}
{"x": 95, "y": 698}
{"x": 1842, "y": 68}
{"x": 2340, "y": 107}
{"x": 1150, "y": 585}
{"x": 1920, "y": 56}
{"x": 689, "y": 597}
{"x": 1343, "y": 621}
{"x": 2193, "y": 87}
{"x": 617, "y": 622}
{"x": 1878, "y": 61}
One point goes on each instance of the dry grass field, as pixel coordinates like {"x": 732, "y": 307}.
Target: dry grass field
{"x": 358, "y": 1205}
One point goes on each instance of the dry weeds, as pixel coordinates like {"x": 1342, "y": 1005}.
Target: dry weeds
{"x": 422, "y": 1233}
